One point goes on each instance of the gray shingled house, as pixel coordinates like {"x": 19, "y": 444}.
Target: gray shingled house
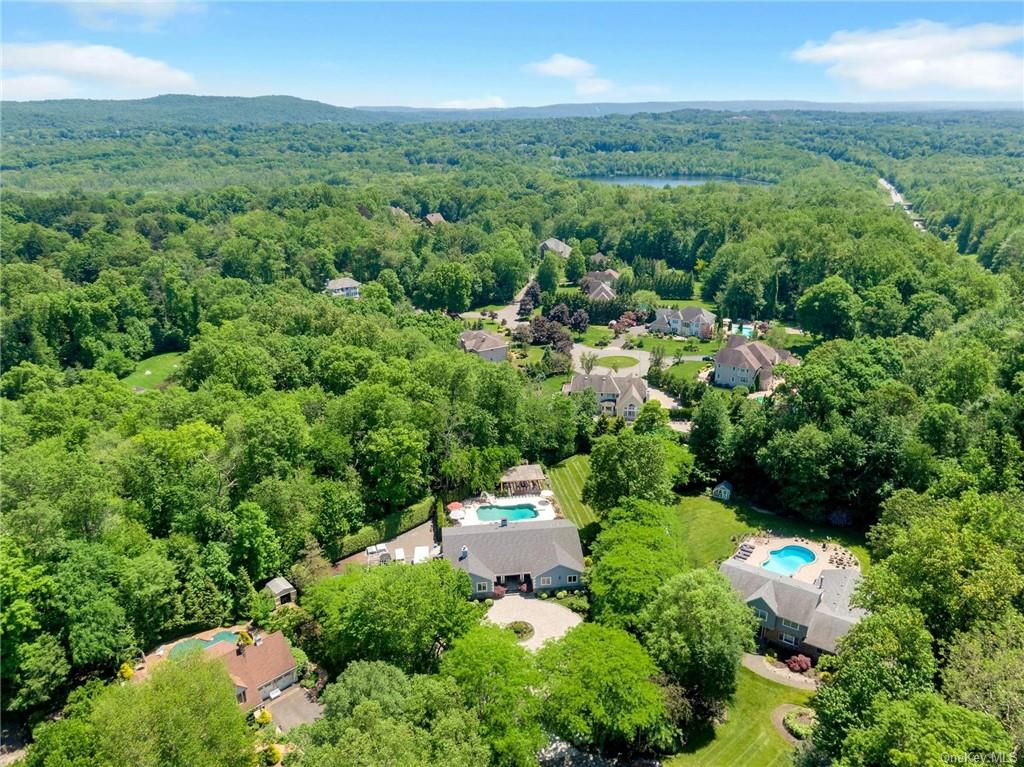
{"x": 803, "y": 617}
{"x": 543, "y": 555}
{"x": 749, "y": 363}
{"x": 485, "y": 345}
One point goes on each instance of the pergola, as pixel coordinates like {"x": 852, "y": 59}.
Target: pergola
{"x": 526, "y": 479}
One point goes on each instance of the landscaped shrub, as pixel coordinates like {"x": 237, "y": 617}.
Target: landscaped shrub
{"x": 577, "y": 603}
{"x": 799, "y": 663}
{"x": 521, "y": 629}
{"x": 562, "y": 594}
{"x": 543, "y": 594}
{"x": 499, "y": 592}
{"x": 488, "y": 602}
{"x": 388, "y": 527}
{"x": 798, "y": 724}
{"x": 271, "y": 755}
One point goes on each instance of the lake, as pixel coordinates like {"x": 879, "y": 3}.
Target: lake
{"x": 660, "y": 182}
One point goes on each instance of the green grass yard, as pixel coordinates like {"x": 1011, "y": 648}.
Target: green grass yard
{"x": 711, "y": 529}
{"x": 617, "y": 361}
{"x": 160, "y": 368}
{"x": 682, "y": 303}
{"x": 671, "y": 347}
{"x": 747, "y": 737}
{"x": 686, "y": 370}
{"x": 594, "y": 335}
{"x": 567, "y": 480}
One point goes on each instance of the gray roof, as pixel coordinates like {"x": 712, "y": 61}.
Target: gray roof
{"x": 434, "y": 218}
{"x": 609, "y": 384}
{"x": 342, "y": 282}
{"x": 481, "y": 341}
{"x": 519, "y": 547}
{"x": 697, "y": 314}
{"x": 752, "y": 355}
{"x": 553, "y": 243}
{"x": 279, "y": 586}
{"x": 600, "y": 291}
{"x": 822, "y": 606}
{"x": 524, "y": 472}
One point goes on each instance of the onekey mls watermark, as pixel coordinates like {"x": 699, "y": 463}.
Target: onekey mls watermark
{"x": 979, "y": 757}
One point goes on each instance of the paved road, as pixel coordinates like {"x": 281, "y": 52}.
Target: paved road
{"x": 642, "y": 357}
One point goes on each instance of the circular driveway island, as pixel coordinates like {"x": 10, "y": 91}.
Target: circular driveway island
{"x": 549, "y": 620}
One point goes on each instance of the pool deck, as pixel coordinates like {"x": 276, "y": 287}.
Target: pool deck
{"x": 163, "y": 652}
{"x": 827, "y": 556}
{"x": 546, "y": 508}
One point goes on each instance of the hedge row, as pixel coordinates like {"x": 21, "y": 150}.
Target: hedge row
{"x": 388, "y": 527}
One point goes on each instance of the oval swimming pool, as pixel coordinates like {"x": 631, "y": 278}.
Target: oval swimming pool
{"x": 788, "y": 559}
{"x": 513, "y": 513}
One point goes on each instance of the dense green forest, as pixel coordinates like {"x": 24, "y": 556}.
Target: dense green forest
{"x": 296, "y": 425}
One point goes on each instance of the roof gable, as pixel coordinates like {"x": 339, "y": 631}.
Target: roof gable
{"x": 518, "y": 547}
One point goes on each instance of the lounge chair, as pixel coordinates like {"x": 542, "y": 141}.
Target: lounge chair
{"x": 400, "y": 554}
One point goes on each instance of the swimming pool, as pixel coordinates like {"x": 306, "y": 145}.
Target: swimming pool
{"x": 199, "y": 644}
{"x": 513, "y": 512}
{"x": 788, "y": 559}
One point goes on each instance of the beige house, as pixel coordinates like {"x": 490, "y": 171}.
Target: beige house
{"x": 485, "y": 345}
{"x": 749, "y": 363}
{"x": 691, "y": 321}
{"x": 616, "y": 395}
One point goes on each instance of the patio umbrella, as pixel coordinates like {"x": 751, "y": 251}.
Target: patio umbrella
{"x": 453, "y": 506}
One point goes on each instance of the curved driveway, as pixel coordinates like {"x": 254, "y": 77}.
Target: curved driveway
{"x": 549, "y": 620}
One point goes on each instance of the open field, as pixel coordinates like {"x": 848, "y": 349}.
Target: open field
{"x": 567, "y": 480}
{"x": 160, "y": 367}
{"x": 712, "y": 527}
{"x": 747, "y": 737}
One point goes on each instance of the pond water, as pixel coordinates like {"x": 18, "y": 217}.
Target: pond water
{"x": 659, "y": 182}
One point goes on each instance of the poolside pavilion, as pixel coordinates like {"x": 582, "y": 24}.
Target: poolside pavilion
{"x": 525, "y": 479}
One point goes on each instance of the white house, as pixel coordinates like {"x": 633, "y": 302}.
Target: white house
{"x": 691, "y": 321}
{"x": 485, "y": 345}
{"x": 343, "y": 287}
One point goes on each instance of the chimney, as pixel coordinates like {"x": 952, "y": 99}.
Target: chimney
{"x": 504, "y": 522}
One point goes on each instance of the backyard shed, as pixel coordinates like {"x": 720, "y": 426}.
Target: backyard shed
{"x": 281, "y": 590}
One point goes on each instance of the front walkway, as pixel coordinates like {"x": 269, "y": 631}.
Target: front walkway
{"x": 549, "y": 620}
{"x": 760, "y": 666}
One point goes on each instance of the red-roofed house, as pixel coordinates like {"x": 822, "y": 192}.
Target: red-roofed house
{"x": 261, "y": 670}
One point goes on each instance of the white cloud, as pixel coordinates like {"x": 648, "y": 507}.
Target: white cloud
{"x": 588, "y": 86}
{"x": 83, "y": 66}
{"x": 485, "y": 102}
{"x": 923, "y": 54}
{"x": 560, "y": 65}
{"x": 147, "y": 15}
{"x": 35, "y": 87}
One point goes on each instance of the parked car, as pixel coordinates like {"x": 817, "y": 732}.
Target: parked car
{"x": 707, "y": 358}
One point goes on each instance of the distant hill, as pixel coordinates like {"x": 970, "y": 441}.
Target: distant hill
{"x": 655, "y": 107}
{"x": 182, "y": 111}
{"x": 179, "y": 111}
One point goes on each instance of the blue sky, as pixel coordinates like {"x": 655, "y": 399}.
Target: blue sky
{"x": 505, "y": 54}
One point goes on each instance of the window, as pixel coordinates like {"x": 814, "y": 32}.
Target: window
{"x": 790, "y": 625}
{"x": 481, "y": 586}
{"x": 572, "y": 578}
{"x": 762, "y": 615}
{"x": 788, "y": 639}
{"x": 545, "y": 580}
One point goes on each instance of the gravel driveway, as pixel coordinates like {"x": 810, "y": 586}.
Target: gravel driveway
{"x": 549, "y": 620}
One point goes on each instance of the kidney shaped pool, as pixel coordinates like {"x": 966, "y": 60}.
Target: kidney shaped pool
{"x": 788, "y": 559}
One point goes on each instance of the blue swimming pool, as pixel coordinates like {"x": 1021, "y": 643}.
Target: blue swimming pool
{"x": 789, "y": 559}
{"x": 199, "y": 644}
{"x": 514, "y": 513}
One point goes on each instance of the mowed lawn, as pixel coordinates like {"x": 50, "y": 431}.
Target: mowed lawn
{"x": 747, "y": 737}
{"x": 567, "y": 480}
{"x": 617, "y": 361}
{"x": 160, "y": 368}
{"x": 711, "y": 529}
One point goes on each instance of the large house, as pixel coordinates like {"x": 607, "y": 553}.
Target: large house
{"x": 691, "y": 321}
{"x": 616, "y": 395}
{"x": 543, "y": 555}
{"x": 600, "y": 291}
{"x": 804, "y": 617}
{"x": 749, "y": 363}
{"x": 343, "y": 287}
{"x": 261, "y": 670}
{"x": 607, "y": 276}
{"x": 555, "y": 245}
{"x": 485, "y": 345}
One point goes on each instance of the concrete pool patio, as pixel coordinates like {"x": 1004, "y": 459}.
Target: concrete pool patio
{"x": 545, "y": 508}
{"x": 827, "y": 556}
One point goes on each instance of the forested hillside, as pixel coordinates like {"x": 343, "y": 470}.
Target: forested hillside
{"x": 297, "y": 427}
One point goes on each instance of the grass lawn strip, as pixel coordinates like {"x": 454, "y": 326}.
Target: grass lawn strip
{"x": 567, "y": 480}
